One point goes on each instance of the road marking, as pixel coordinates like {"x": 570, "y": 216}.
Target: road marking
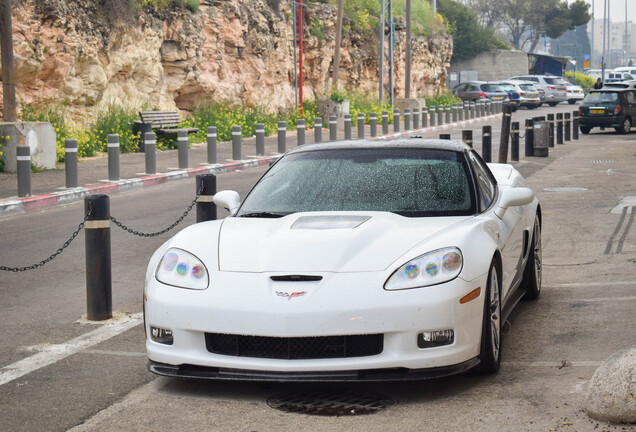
{"x": 552, "y": 364}
{"x": 596, "y": 300}
{"x": 54, "y": 353}
{"x": 116, "y": 353}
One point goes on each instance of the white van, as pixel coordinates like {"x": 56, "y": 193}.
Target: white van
{"x": 626, "y": 69}
{"x": 615, "y": 76}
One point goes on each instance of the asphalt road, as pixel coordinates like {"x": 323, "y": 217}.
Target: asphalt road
{"x": 60, "y": 373}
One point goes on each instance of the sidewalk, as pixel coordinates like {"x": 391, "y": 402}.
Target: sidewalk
{"x": 48, "y": 187}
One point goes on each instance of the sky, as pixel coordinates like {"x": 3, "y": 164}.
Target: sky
{"x": 616, "y": 8}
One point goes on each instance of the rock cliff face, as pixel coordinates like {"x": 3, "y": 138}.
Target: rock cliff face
{"x": 87, "y": 56}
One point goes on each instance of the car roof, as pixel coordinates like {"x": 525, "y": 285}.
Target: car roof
{"x": 404, "y": 143}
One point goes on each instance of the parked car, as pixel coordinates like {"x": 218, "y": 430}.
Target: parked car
{"x": 529, "y": 95}
{"x": 608, "y": 107}
{"x": 553, "y": 87}
{"x": 618, "y": 77}
{"x": 621, "y": 84}
{"x": 575, "y": 93}
{"x": 626, "y": 69}
{"x": 335, "y": 268}
{"x": 477, "y": 90}
{"x": 514, "y": 97}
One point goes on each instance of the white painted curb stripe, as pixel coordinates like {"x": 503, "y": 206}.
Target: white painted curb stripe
{"x": 55, "y": 353}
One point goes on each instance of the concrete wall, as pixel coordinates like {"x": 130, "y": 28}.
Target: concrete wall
{"x": 494, "y": 65}
{"x": 39, "y": 136}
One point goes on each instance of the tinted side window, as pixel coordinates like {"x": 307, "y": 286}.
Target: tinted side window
{"x": 486, "y": 184}
{"x": 631, "y": 97}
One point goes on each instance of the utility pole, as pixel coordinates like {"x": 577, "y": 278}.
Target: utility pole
{"x": 336, "y": 57}
{"x": 8, "y": 72}
{"x": 407, "y": 62}
{"x": 387, "y": 42}
{"x": 300, "y": 55}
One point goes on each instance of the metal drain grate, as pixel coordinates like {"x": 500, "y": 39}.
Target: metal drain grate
{"x": 333, "y": 403}
{"x": 603, "y": 161}
{"x": 565, "y": 189}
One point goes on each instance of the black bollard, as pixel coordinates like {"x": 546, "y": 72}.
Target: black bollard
{"x": 259, "y": 131}
{"x": 514, "y": 144}
{"x": 300, "y": 132}
{"x": 150, "y": 144}
{"x": 23, "y": 167}
{"x": 467, "y": 137}
{"x": 575, "y": 125}
{"x": 113, "y": 157}
{"x": 416, "y": 118}
{"x": 432, "y": 115}
{"x": 396, "y": 120}
{"x": 282, "y": 137}
{"x": 182, "y": 148}
{"x": 347, "y": 126}
{"x": 360, "y": 126}
{"x": 529, "y": 137}
{"x": 440, "y": 115}
{"x": 551, "y": 130}
{"x": 566, "y": 126}
{"x": 424, "y": 117}
{"x": 70, "y": 163}
{"x": 333, "y": 128}
{"x": 211, "y": 141}
{"x": 373, "y": 124}
{"x": 99, "y": 286}
{"x": 486, "y": 143}
{"x": 318, "y": 130}
{"x": 385, "y": 122}
{"x": 505, "y": 134}
{"x": 559, "y": 128}
{"x": 236, "y": 142}
{"x": 206, "y": 188}
{"x": 407, "y": 119}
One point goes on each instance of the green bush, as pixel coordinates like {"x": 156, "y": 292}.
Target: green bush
{"x": 442, "y": 98}
{"x": 118, "y": 120}
{"x": 582, "y": 80}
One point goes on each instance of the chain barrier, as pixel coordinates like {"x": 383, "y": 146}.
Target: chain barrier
{"x": 54, "y": 255}
{"x": 116, "y": 222}
{"x": 165, "y": 230}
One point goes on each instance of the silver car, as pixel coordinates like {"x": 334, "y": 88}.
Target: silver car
{"x": 529, "y": 95}
{"x": 553, "y": 86}
{"x": 478, "y": 90}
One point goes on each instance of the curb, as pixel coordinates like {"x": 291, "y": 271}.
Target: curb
{"x": 38, "y": 202}
{"x": 415, "y": 133}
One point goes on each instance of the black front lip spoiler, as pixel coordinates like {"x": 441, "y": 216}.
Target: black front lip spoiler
{"x": 390, "y": 374}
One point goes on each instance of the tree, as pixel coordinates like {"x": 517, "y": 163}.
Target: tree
{"x": 469, "y": 36}
{"x": 8, "y": 77}
{"x": 524, "y": 21}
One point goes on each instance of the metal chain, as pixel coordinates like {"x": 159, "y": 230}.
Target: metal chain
{"x": 165, "y": 230}
{"x": 59, "y": 251}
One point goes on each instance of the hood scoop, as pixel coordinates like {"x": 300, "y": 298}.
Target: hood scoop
{"x": 329, "y": 222}
{"x": 296, "y": 278}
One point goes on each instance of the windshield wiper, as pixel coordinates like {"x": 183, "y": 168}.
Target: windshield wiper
{"x": 262, "y": 215}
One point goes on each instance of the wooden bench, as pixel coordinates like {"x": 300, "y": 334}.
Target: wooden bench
{"x": 164, "y": 122}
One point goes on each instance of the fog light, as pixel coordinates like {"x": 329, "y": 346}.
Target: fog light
{"x": 162, "y": 336}
{"x": 435, "y": 338}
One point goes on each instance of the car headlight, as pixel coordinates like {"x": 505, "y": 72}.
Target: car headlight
{"x": 182, "y": 269}
{"x": 432, "y": 268}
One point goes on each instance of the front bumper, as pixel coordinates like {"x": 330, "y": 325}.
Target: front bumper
{"x": 385, "y": 375}
{"x": 340, "y": 304}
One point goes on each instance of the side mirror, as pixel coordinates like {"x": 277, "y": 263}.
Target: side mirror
{"x": 513, "y": 198}
{"x": 228, "y": 199}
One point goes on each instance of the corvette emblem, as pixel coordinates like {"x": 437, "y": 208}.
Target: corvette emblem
{"x": 290, "y": 295}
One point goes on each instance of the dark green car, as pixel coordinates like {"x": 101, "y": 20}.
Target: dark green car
{"x": 611, "y": 107}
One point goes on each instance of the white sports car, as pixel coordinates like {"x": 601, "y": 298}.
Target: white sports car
{"x": 349, "y": 261}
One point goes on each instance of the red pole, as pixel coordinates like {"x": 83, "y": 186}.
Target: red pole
{"x": 300, "y": 55}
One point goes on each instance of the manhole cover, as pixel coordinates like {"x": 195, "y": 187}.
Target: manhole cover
{"x": 330, "y": 403}
{"x": 565, "y": 189}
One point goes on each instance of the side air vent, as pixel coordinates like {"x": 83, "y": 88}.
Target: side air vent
{"x": 296, "y": 278}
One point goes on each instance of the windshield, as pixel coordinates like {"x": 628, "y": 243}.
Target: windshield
{"x": 555, "y": 81}
{"x": 492, "y": 88}
{"x": 410, "y": 182}
{"x": 527, "y": 87}
{"x": 601, "y": 97}
{"x": 508, "y": 87}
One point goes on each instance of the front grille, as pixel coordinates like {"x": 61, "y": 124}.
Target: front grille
{"x": 296, "y": 348}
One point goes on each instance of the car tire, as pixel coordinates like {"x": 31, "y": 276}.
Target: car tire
{"x": 490, "y": 351}
{"x": 626, "y": 127}
{"x": 585, "y": 130}
{"x": 553, "y": 104}
{"x": 532, "y": 273}
{"x": 572, "y": 101}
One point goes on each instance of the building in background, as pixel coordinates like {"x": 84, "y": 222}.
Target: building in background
{"x": 620, "y": 46}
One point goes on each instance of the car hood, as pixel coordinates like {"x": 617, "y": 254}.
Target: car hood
{"x": 323, "y": 242}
